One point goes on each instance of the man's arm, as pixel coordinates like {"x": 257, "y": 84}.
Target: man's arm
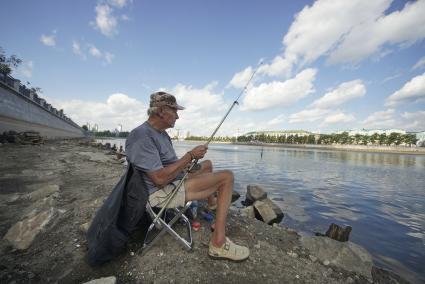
{"x": 165, "y": 175}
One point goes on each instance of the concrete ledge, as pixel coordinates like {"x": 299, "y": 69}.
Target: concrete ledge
{"x": 7, "y": 124}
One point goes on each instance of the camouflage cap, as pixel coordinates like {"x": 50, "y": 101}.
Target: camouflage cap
{"x": 159, "y": 99}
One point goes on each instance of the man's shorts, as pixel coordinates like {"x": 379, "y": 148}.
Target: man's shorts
{"x": 159, "y": 197}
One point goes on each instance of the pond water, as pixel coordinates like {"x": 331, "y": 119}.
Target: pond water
{"x": 381, "y": 195}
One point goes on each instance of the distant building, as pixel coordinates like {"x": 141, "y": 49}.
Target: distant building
{"x": 421, "y": 138}
{"x": 369, "y": 132}
{"x": 279, "y": 133}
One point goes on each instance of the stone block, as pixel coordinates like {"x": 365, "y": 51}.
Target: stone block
{"x": 264, "y": 212}
{"x": 276, "y": 209}
{"x": 254, "y": 193}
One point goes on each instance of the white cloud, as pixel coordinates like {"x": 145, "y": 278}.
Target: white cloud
{"x": 278, "y": 67}
{"x": 345, "y": 92}
{"x": 91, "y": 49}
{"x": 240, "y": 79}
{"x": 410, "y": 121}
{"x": 118, "y": 3}
{"x": 412, "y": 91}
{"x": 277, "y": 94}
{"x": 48, "y": 40}
{"x": 95, "y": 51}
{"x": 392, "y": 77}
{"x": 308, "y": 115}
{"x": 277, "y": 120}
{"x": 420, "y": 64}
{"x": 319, "y": 28}
{"x": 381, "y": 119}
{"x": 109, "y": 57}
{"x": 204, "y": 108}
{"x": 334, "y": 29}
{"x": 117, "y": 109}
{"x": 76, "y": 48}
{"x": 323, "y": 108}
{"x": 414, "y": 120}
{"x": 338, "y": 118}
{"x": 400, "y": 27}
{"x": 105, "y": 21}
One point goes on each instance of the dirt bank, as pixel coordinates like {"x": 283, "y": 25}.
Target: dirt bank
{"x": 52, "y": 189}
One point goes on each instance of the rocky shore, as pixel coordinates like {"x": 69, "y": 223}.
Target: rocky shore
{"x": 49, "y": 192}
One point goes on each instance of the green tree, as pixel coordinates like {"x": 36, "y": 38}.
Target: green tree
{"x": 374, "y": 138}
{"x": 357, "y": 138}
{"x": 409, "y": 139}
{"x": 394, "y": 138}
{"x": 85, "y": 127}
{"x": 344, "y": 138}
{"x": 382, "y": 139}
{"x": 8, "y": 63}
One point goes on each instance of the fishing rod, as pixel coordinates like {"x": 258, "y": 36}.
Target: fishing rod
{"x": 195, "y": 161}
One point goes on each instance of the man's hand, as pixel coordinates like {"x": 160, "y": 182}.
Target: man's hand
{"x": 198, "y": 152}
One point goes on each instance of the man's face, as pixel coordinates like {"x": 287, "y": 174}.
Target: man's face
{"x": 169, "y": 115}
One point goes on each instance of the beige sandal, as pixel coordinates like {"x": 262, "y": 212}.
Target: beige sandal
{"x": 228, "y": 250}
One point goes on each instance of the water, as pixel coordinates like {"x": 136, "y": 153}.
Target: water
{"x": 382, "y": 196}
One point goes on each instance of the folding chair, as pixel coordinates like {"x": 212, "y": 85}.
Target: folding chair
{"x": 161, "y": 225}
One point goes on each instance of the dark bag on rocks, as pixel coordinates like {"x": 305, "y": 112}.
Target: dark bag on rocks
{"x": 118, "y": 217}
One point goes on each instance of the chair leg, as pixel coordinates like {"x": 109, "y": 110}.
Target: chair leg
{"x": 164, "y": 227}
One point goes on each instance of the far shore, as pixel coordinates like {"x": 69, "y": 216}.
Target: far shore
{"x": 353, "y": 148}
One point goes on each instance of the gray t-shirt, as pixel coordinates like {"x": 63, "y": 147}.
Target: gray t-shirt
{"x": 149, "y": 150}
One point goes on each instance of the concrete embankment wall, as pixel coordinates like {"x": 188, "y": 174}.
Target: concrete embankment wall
{"x": 19, "y": 113}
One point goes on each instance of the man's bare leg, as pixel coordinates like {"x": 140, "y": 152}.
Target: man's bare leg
{"x": 204, "y": 185}
{"x": 206, "y": 167}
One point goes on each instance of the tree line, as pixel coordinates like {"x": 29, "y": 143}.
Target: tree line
{"x": 393, "y": 139}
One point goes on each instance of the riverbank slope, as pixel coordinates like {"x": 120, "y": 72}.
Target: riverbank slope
{"x": 51, "y": 190}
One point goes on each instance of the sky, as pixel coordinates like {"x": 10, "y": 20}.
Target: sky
{"x": 322, "y": 66}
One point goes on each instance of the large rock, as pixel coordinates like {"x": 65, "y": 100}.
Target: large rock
{"x": 104, "y": 280}
{"x": 347, "y": 255}
{"x": 254, "y": 193}
{"x": 235, "y": 196}
{"x": 248, "y": 212}
{"x": 22, "y": 234}
{"x": 267, "y": 211}
{"x": 339, "y": 233}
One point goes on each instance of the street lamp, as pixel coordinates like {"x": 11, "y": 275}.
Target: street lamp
{"x": 120, "y": 125}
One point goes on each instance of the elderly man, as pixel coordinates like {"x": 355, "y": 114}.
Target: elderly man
{"x": 150, "y": 149}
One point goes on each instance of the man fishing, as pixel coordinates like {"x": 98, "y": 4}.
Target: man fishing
{"x": 150, "y": 150}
